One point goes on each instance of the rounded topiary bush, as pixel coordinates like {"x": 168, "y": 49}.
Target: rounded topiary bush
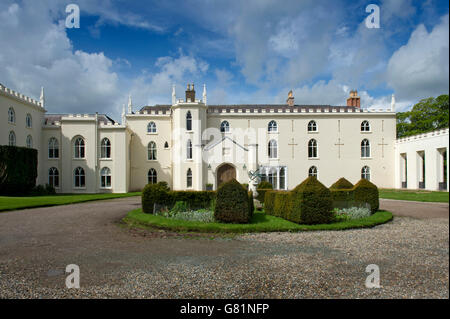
{"x": 311, "y": 203}
{"x": 367, "y": 192}
{"x": 342, "y": 183}
{"x": 154, "y": 193}
{"x": 261, "y": 189}
{"x": 232, "y": 203}
{"x": 282, "y": 205}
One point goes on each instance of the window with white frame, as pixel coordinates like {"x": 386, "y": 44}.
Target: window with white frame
{"x": 105, "y": 177}
{"x": 312, "y": 126}
{"x": 79, "y": 178}
{"x": 224, "y": 127}
{"x": 365, "y": 148}
{"x": 189, "y": 149}
{"x": 276, "y": 175}
{"x": 151, "y": 127}
{"x": 29, "y": 141}
{"x": 11, "y": 115}
{"x": 273, "y": 149}
{"x": 273, "y": 126}
{"x": 79, "y": 148}
{"x": 152, "y": 177}
{"x": 189, "y": 121}
{"x": 365, "y": 173}
{"x": 189, "y": 178}
{"x": 12, "y": 138}
{"x": 105, "y": 148}
{"x": 53, "y": 148}
{"x": 312, "y": 148}
{"x": 29, "y": 121}
{"x": 53, "y": 177}
{"x": 365, "y": 126}
{"x": 312, "y": 171}
{"x": 151, "y": 151}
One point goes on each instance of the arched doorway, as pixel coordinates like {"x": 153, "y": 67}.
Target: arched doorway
{"x": 225, "y": 173}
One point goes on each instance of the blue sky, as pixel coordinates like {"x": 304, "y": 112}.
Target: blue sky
{"x": 245, "y": 51}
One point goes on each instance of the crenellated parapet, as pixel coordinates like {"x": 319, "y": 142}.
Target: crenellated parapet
{"x": 19, "y": 96}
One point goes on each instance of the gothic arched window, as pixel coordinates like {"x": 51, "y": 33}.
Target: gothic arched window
{"x": 79, "y": 151}
{"x": 365, "y": 126}
{"x": 273, "y": 126}
{"x": 189, "y": 121}
{"x": 365, "y": 173}
{"x": 12, "y": 138}
{"x": 189, "y": 178}
{"x": 11, "y": 115}
{"x": 225, "y": 127}
{"x": 189, "y": 149}
{"x": 312, "y": 171}
{"x": 151, "y": 151}
{"x": 312, "y": 126}
{"x": 53, "y": 148}
{"x": 105, "y": 148}
{"x": 53, "y": 177}
{"x": 152, "y": 176}
{"x": 29, "y": 121}
{"x": 105, "y": 177}
{"x": 312, "y": 148}
{"x": 79, "y": 177}
{"x": 273, "y": 149}
{"x": 151, "y": 127}
{"x": 29, "y": 141}
{"x": 365, "y": 148}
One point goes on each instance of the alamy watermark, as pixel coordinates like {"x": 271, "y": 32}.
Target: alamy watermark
{"x": 373, "y": 279}
{"x": 73, "y": 17}
{"x": 373, "y": 19}
{"x": 73, "y": 280}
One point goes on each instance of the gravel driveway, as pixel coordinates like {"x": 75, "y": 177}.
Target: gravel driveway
{"x": 37, "y": 244}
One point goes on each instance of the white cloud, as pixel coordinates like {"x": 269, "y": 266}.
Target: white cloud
{"x": 39, "y": 53}
{"x": 420, "y": 68}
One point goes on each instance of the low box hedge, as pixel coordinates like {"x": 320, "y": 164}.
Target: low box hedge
{"x": 282, "y": 205}
{"x": 269, "y": 201}
{"x": 261, "y": 189}
{"x": 18, "y": 170}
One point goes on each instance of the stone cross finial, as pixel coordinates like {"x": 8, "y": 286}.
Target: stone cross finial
{"x": 42, "y": 98}
{"x": 204, "y": 94}
{"x": 130, "y": 105}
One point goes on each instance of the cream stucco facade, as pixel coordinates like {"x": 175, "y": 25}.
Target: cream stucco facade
{"x": 193, "y": 145}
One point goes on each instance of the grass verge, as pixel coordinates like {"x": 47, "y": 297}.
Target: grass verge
{"x": 14, "y": 203}
{"x": 260, "y": 223}
{"x": 414, "y": 195}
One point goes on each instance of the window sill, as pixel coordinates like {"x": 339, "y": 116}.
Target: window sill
{"x": 274, "y": 159}
{"x": 366, "y": 132}
{"x": 148, "y": 133}
{"x": 313, "y": 158}
{"x": 109, "y": 159}
{"x": 189, "y": 160}
{"x": 313, "y": 132}
{"x": 53, "y": 158}
{"x": 79, "y": 188}
{"x": 12, "y": 123}
{"x": 152, "y": 160}
{"x": 190, "y": 132}
{"x": 273, "y": 132}
{"x": 79, "y": 159}
{"x": 366, "y": 158}
{"x": 106, "y": 188}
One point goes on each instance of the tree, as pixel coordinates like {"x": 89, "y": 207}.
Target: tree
{"x": 427, "y": 115}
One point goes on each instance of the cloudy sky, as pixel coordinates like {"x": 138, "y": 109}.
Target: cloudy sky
{"x": 251, "y": 51}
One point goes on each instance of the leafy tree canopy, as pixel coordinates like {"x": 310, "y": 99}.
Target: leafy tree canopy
{"x": 427, "y": 115}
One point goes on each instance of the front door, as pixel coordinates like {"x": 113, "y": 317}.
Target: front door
{"x": 225, "y": 173}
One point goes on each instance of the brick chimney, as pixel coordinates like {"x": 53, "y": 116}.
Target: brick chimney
{"x": 290, "y": 99}
{"x": 354, "y": 99}
{"x": 190, "y": 93}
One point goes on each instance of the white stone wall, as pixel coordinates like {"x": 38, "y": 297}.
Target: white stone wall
{"x": 435, "y": 146}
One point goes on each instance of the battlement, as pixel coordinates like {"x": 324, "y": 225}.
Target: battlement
{"x": 413, "y": 138}
{"x": 8, "y": 92}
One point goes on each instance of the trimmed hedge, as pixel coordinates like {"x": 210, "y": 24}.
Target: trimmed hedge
{"x": 251, "y": 204}
{"x": 154, "y": 193}
{"x": 232, "y": 203}
{"x": 341, "y": 196}
{"x": 282, "y": 205}
{"x": 269, "y": 202}
{"x": 261, "y": 189}
{"x": 342, "y": 183}
{"x": 18, "y": 170}
{"x": 367, "y": 192}
{"x": 195, "y": 199}
{"x": 311, "y": 203}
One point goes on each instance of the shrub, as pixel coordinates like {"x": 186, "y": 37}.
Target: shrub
{"x": 342, "y": 183}
{"x": 41, "y": 190}
{"x": 367, "y": 192}
{"x": 261, "y": 189}
{"x": 251, "y": 204}
{"x": 209, "y": 187}
{"x": 311, "y": 203}
{"x": 232, "y": 203}
{"x": 245, "y": 186}
{"x": 341, "y": 197}
{"x": 282, "y": 205}
{"x": 269, "y": 202}
{"x": 18, "y": 170}
{"x": 180, "y": 207}
{"x": 154, "y": 193}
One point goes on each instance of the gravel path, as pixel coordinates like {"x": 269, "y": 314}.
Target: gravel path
{"x": 37, "y": 244}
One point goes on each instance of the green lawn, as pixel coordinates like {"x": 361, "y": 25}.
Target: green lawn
{"x": 414, "y": 195}
{"x": 260, "y": 223}
{"x": 14, "y": 203}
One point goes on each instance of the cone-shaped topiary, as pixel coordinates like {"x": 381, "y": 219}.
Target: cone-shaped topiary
{"x": 311, "y": 203}
{"x": 367, "y": 192}
{"x": 154, "y": 194}
{"x": 342, "y": 183}
{"x": 232, "y": 203}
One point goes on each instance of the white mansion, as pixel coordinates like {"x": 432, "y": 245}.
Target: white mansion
{"x": 193, "y": 145}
